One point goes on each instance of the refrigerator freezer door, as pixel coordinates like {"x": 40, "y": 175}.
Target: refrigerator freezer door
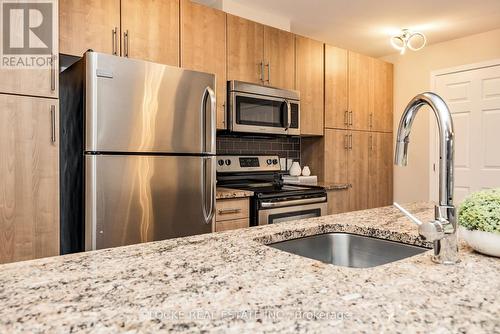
{"x": 138, "y": 106}
{"x": 133, "y": 199}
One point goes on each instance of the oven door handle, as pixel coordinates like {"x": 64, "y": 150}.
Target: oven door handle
{"x": 293, "y": 202}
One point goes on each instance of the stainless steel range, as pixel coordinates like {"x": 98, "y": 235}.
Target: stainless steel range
{"x": 273, "y": 201}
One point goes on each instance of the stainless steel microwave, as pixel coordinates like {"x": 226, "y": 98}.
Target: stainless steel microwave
{"x": 263, "y": 109}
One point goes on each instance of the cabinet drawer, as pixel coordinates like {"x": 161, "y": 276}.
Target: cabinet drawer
{"x": 230, "y": 209}
{"x": 227, "y": 225}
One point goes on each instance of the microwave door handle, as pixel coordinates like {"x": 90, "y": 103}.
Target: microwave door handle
{"x": 288, "y": 115}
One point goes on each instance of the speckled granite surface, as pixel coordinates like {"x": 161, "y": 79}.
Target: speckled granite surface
{"x": 225, "y": 193}
{"x": 231, "y": 282}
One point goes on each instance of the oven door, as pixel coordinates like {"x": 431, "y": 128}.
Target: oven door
{"x": 259, "y": 114}
{"x": 282, "y": 214}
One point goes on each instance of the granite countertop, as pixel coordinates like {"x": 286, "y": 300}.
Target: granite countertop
{"x": 232, "y": 282}
{"x": 226, "y": 193}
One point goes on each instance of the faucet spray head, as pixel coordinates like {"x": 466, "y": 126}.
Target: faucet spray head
{"x": 401, "y": 155}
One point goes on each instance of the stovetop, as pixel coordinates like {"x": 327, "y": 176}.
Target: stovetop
{"x": 261, "y": 175}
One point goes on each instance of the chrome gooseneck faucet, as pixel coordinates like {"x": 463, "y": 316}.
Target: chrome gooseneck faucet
{"x": 443, "y": 230}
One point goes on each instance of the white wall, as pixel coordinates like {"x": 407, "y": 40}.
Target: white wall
{"x": 412, "y": 76}
{"x": 256, "y": 15}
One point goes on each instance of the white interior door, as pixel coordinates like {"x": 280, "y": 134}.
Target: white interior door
{"x": 473, "y": 97}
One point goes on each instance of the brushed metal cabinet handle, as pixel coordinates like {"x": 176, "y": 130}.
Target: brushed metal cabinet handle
{"x": 52, "y": 73}
{"x": 370, "y": 121}
{"x": 114, "y": 41}
{"x": 370, "y": 143}
{"x": 268, "y": 72}
{"x": 262, "y": 71}
{"x": 228, "y": 211}
{"x": 350, "y": 141}
{"x": 346, "y": 117}
{"x": 346, "y": 142}
{"x": 350, "y": 118}
{"x": 53, "y": 123}
{"x": 126, "y": 43}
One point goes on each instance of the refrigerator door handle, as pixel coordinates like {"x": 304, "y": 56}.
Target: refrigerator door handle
{"x": 208, "y": 180}
{"x": 209, "y": 136}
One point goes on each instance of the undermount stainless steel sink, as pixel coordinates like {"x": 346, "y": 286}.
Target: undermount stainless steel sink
{"x": 349, "y": 250}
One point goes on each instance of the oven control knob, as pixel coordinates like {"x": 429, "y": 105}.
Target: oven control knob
{"x": 220, "y": 162}
{"x": 228, "y": 162}
{"x": 269, "y": 161}
{"x": 275, "y": 161}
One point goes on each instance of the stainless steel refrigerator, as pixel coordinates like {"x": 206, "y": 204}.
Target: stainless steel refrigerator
{"x": 137, "y": 152}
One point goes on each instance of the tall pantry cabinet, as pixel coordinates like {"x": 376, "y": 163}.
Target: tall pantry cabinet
{"x": 29, "y": 164}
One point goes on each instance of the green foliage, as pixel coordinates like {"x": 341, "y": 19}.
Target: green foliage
{"x": 481, "y": 211}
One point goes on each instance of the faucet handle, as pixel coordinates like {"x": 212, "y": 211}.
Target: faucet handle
{"x": 430, "y": 231}
{"x": 407, "y": 213}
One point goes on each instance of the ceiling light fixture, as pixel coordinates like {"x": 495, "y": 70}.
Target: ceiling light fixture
{"x": 408, "y": 40}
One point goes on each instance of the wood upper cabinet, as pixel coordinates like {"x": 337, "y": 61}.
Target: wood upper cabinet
{"x": 245, "y": 50}
{"x": 380, "y": 175}
{"x": 381, "y": 113}
{"x": 203, "y": 47}
{"x": 358, "y": 169}
{"x": 309, "y": 81}
{"x": 42, "y": 81}
{"x": 279, "y": 58}
{"x": 150, "y": 30}
{"x": 89, "y": 24}
{"x": 29, "y": 196}
{"x": 360, "y": 85}
{"x": 336, "y": 82}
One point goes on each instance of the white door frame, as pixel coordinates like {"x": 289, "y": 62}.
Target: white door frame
{"x": 433, "y": 147}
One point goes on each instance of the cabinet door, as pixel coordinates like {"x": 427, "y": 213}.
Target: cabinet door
{"x": 358, "y": 170}
{"x": 203, "y": 47}
{"x": 381, "y": 116}
{"x": 336, "y": 155}
{"x": 245, "y": 50}
{"x": 150, "y": 30}
{"x": 336, "y": 88}
{"x": 360, "y": 76}
{"x": 279, "y": 57}
{"x": 338, "y": 200}
{"x": 29, "y": 195}
{"x": 309, "y": 81}
{"x": 30, "y": 80}
{"x": 381, "y": 170}
{"x": 85, "y": 24}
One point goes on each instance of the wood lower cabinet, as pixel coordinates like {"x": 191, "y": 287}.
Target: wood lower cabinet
{"x": 338, "y": 201}
{"x": 150, "y": 30}
{"x": 361, "y": 160}
{"x": 203, "y": 47}
{"x": 380, "y": 176}
{"x": 336, "y": 88}
{"x": 357, "y": 162}
{"x": 309, "y": 72}
{"x": 89, "y": 24}
{"x": 231, "y": 214}
{"x": 245, "y": 50}
{"x": 29, "y": 195}
{"x": 279, "y": 58}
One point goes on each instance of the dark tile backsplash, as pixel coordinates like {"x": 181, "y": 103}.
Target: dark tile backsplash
{"x": 284, "y": 147}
